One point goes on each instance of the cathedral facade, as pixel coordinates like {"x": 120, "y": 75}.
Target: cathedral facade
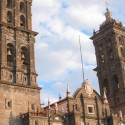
{"x": 20, "y": 94}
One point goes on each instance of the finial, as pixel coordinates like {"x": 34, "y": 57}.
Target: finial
{"x": 107, "y": 5}
{"x": 105, "y": 98}
{"x": 108, "y": 14}
{"x": 68, "y": 92}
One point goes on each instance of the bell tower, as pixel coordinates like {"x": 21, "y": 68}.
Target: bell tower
{"x": 19, "y": 91}
{"x": 109, "y": 42}
{"x": 17, "y": 43}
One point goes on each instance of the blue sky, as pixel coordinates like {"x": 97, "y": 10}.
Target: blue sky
{"x": 59, "y": 23}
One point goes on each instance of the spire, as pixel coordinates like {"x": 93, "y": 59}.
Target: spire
{"x": 60, "y": 97}
{"x": 68, "y": 92}
{"x": 48, "y": 103}
{"x": 105, "y": 98}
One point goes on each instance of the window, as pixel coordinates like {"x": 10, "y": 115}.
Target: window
{"x": 90, "y": 109}
{"x": 9, "y": 3}
{"x": 9, "y": 17}
{"x": 35, "y": 78}
{"x": 8, "y": 104}
{"x": 10, "y": 55}
{"x": 11, "y": 76}
{"x": 111, "y": 54}
{"x": 22, "y": 21}
{"x": 33, "y": 107}
{"x": 22, "y": 7}
{"x": 25, "y": 79}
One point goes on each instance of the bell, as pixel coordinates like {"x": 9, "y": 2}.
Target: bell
{"x": 9, "y": 53}
{"x": 22, "y": 56}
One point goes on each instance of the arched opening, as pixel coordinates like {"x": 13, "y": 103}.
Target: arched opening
{"x": 115, "y": 83}
{"x": 24, "y": 58}
{"x": 9, "y": 3}
{"x": 10, "y": 55}
{"x": 22, "y": 21}
{"x": 24, "y": 64}
{"x": 105, "y": 86}
{"x": 22, "y": 7}
{"x": 9, "y": 17}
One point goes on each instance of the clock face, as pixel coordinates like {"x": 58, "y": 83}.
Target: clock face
{"x": 88, "y": 89}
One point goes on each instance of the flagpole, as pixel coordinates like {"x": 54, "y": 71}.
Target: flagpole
{"x": 81, "y": 58}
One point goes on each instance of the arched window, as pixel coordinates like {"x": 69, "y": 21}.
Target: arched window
{"x": 102, "y": 58}
{"x": 115, "y": 84}
{"x": 22, "y": 7}
{"x": 110, "y": 54}
{"x": 9, "y": 3}
{"x": 10, "y": 55}
{"x": 24, "y": 58}
{"x": 9, "y": 17}
{"x": 22, "y": 21}
{"x": 105, "y": 86}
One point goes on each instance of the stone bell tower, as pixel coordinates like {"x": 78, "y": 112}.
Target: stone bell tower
{"x": 109, "y": 44}
{"x": 19, "y": 91}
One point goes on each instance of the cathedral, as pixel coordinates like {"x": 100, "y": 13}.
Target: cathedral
{"x": 20, "y": 94}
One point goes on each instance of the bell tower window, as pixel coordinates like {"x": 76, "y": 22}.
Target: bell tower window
{"x": 10, "y": 55}
{"x": 9, "y": 17}
{"x": 22, "y": 21}
{"x": 24, "y": 57}
{"x": 22, "y": 7}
